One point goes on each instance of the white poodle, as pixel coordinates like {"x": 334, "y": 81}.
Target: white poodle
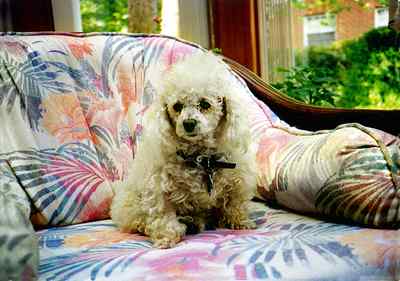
{"x": 193, "y": 166}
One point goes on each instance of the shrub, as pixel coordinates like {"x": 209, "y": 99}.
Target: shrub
{"x": 381, "y": 39}
{"x": 314, "y": 79}
{"x": 374, "y": 85}
{"x": 362, "y": 73}
{"x": 308, "y": 85}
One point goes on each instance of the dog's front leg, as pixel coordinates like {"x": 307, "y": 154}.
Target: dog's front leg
{"x": 165, "y": 230}
{"x": 235, "y": 216}
{"x": 162, "y": 225}
{"x": 233, "y": 207}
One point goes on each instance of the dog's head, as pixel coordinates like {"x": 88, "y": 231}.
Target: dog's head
{"x": 199, "y": 100}
{"x": 195, "y": 115}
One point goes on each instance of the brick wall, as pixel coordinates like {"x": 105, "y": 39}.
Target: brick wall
{"x": 354, "y": 22}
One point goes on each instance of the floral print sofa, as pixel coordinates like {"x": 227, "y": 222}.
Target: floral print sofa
{"x": 70, "y": 118}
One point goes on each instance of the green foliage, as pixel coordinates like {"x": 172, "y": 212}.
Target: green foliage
{"x": 110, "y": 15}
{"x": 104, "y": 15}
{"x": 362, "y": 73}
{"x": 330, "y": 6}
{"x": 370, "y": 79}
{"x": 217, "y": 51}
{"x": 380, "y": 39}
{"x": 375, "y": 84}
{"x": 334, "y": 6}
{"x": 309, "y": 85}
{"x": 314, "y": 79}
{"x": 158, "y": 17}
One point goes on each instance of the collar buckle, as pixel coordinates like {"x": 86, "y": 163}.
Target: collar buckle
{"x": 208, "y": 163}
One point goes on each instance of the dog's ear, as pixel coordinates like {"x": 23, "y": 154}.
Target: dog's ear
{"x": 234, "y": 131}
{"x": 168, "y": 116}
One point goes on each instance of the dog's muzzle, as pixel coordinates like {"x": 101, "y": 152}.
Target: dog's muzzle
{"x": 208, "y": 163}
{"x": 189, "y": 125}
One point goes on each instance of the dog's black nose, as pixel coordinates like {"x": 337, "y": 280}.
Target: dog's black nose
{"x": 189, "y": 125}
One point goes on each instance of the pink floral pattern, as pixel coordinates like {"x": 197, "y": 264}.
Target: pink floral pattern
{"x": 80, "y": 48}
{"x": 176, "y": 53}
{"x": 105, "y": 113}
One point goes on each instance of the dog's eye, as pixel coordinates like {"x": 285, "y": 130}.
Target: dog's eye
{"x": 204, "y": 104}
{"x": 178, "y": 107}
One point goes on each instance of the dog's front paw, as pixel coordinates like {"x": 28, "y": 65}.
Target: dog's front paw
{"x": 236, "y": 219}
{"x": 165, "y": 243}
{"x": 244, "y": 225}
{"x": 167, "y": 234}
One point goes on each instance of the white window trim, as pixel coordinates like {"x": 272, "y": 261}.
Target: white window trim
{"x": 381, "y": 20}
{"x": 317, "y": 27}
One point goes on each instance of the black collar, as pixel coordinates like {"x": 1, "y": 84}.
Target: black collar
{"x": 208, "y": 163}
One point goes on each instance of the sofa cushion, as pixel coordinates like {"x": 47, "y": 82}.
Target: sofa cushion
{"x": 350, "y": 173}
{"x": 284, "y": 246}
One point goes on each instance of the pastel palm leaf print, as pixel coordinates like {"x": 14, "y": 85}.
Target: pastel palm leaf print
{"x": 84, "y": 77}
{"x": 29, "y": 81}
{"x": 153, "y": 49}
{"x": 296, "y": 245}
{"x": 115, "y": 50}
{"x": 100, "y": 262}
{"x": 54, "y": 237}
{"x": 362, "y": 190}
{"x": 60, "y": 181}
{"x": 306, "y": 150}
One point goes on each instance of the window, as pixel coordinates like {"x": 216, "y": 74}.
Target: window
{"x": 319, "y": 30}
{"x": 321, "y": 38}
{"x": 381, "y": 17}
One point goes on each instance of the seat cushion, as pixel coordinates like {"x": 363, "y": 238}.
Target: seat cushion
{"x": 285, "y": 246}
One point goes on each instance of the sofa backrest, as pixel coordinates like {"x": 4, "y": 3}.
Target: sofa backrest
{"x": 70, "y": 110}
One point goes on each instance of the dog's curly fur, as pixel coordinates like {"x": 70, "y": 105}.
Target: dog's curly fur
{"x": 163, "y": 195}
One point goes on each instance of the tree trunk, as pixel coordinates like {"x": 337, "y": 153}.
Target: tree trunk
{"x": 141, "y": 16}
{"x": 394, "y": 15}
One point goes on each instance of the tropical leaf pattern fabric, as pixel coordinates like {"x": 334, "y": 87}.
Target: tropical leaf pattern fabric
{"x": 285, "y": 246}
{"x": 19, "y": 251}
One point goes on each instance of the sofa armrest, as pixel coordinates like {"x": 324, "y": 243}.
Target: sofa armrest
{"x": 19, "y": 252}
{"x": 313, "y": 118}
